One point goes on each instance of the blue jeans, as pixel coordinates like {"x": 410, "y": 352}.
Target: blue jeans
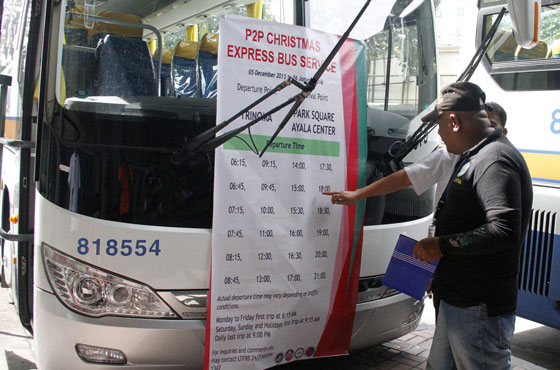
{"x": 467, "y": 339}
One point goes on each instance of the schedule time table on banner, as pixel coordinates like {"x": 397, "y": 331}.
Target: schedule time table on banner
{"x": 285, "y": 261}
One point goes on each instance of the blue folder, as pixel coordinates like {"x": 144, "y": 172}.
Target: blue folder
{"x": 405, "y": 273}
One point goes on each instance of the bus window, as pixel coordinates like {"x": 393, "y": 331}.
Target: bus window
{"x": 14, "y": 25}
{"x": 12, "y": 20}
{"x": 399, "y": 86}
{"x": 517, "y": 68}
{"x": 398, "y": 89}
{"x": 110, "y": 57}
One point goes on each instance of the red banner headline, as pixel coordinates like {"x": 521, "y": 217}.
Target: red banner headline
{"x": 279, "y": 57}
{"x": 278, "y": 39}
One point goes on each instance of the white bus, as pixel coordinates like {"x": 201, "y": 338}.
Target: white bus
{"x": 106, "y": 231}
{"x": 526, "y": 82}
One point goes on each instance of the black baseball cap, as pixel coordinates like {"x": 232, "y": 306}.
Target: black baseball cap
{"x": 458, "y": 96}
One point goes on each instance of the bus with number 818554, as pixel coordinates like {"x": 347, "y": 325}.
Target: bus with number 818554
{"x": 106, "y": 226}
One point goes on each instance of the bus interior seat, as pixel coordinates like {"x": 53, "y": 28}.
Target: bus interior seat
{"x": 101, "y": 29}
{"x": 166, "y": 80}
{"x": 77, "y": 63}
{"x": 124, "y": 62}
{"x": 208, "y": 65}
{"x": 503, "y": 47}
{"x": 184, "y": 69}
{"x": 539, "y": 51}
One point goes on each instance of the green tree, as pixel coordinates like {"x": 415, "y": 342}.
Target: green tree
{"x": 550, "y": 25}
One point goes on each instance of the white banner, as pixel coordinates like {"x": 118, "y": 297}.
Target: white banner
{"x": 281, "y": 253}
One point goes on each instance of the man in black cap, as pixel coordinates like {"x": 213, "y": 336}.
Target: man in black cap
{"x": 481, "y": 222}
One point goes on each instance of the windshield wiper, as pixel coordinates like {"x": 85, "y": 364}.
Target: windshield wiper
{"x": 401, "y": 149}
{"x": 205, "y": 141}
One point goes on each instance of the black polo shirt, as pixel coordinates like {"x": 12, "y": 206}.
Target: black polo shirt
{"x": 482, "y": 221}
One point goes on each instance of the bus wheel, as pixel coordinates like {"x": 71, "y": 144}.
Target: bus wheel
{"x": 3, "y": 279}
{"x": 2, "y": 275}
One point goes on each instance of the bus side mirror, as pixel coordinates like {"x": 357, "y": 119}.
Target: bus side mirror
{"x": 526, "y": 21}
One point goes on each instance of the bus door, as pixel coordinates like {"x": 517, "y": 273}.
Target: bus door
{"x": 18, "y": 54}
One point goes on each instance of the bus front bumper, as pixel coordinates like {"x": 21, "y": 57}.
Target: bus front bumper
{"x": 146, "y": 343}
{"x": 179, "y": 344}
{"x": 385, "y": 319}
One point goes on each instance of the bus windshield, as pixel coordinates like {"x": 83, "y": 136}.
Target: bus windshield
{"x": 136, "y": 80}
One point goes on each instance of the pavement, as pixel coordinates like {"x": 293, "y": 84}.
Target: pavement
{"x": 16, "y": 351}
{"x": 534, "y": 347}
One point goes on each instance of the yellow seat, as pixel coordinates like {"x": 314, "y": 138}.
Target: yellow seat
{"x": 503, "y": 47}
{"x": 103, "y": 28}
{"x": 124, "y": 62}
{"x": 209, "y": 42}
{"x": 538, "y": 52}
{"x": 166, "y": 79}
{"x": 167, "y": 56}
{"x": 555, "y": 48}
{"x": 184, "y": 69}
{"x": 208, "y": 65}
{"x": 186, "y": 49}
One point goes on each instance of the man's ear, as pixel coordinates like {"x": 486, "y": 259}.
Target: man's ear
{"x": 504, "y": 131}
{"x": 455, "y": 122}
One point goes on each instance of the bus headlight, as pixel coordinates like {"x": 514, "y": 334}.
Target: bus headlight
{"x": 87, "y": 290}
{"x": 94, "y": 292}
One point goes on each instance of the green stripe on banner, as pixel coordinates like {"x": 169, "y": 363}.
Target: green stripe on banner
{"x": 286, "y": 145}
{"x": 361, "y": 100}
{"x": 361, "y": 103}
{"x": 361, "y": 107}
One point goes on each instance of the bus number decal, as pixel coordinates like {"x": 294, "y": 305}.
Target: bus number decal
{"x": 555, "y": 124}
{"x": 113, "y": 247}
